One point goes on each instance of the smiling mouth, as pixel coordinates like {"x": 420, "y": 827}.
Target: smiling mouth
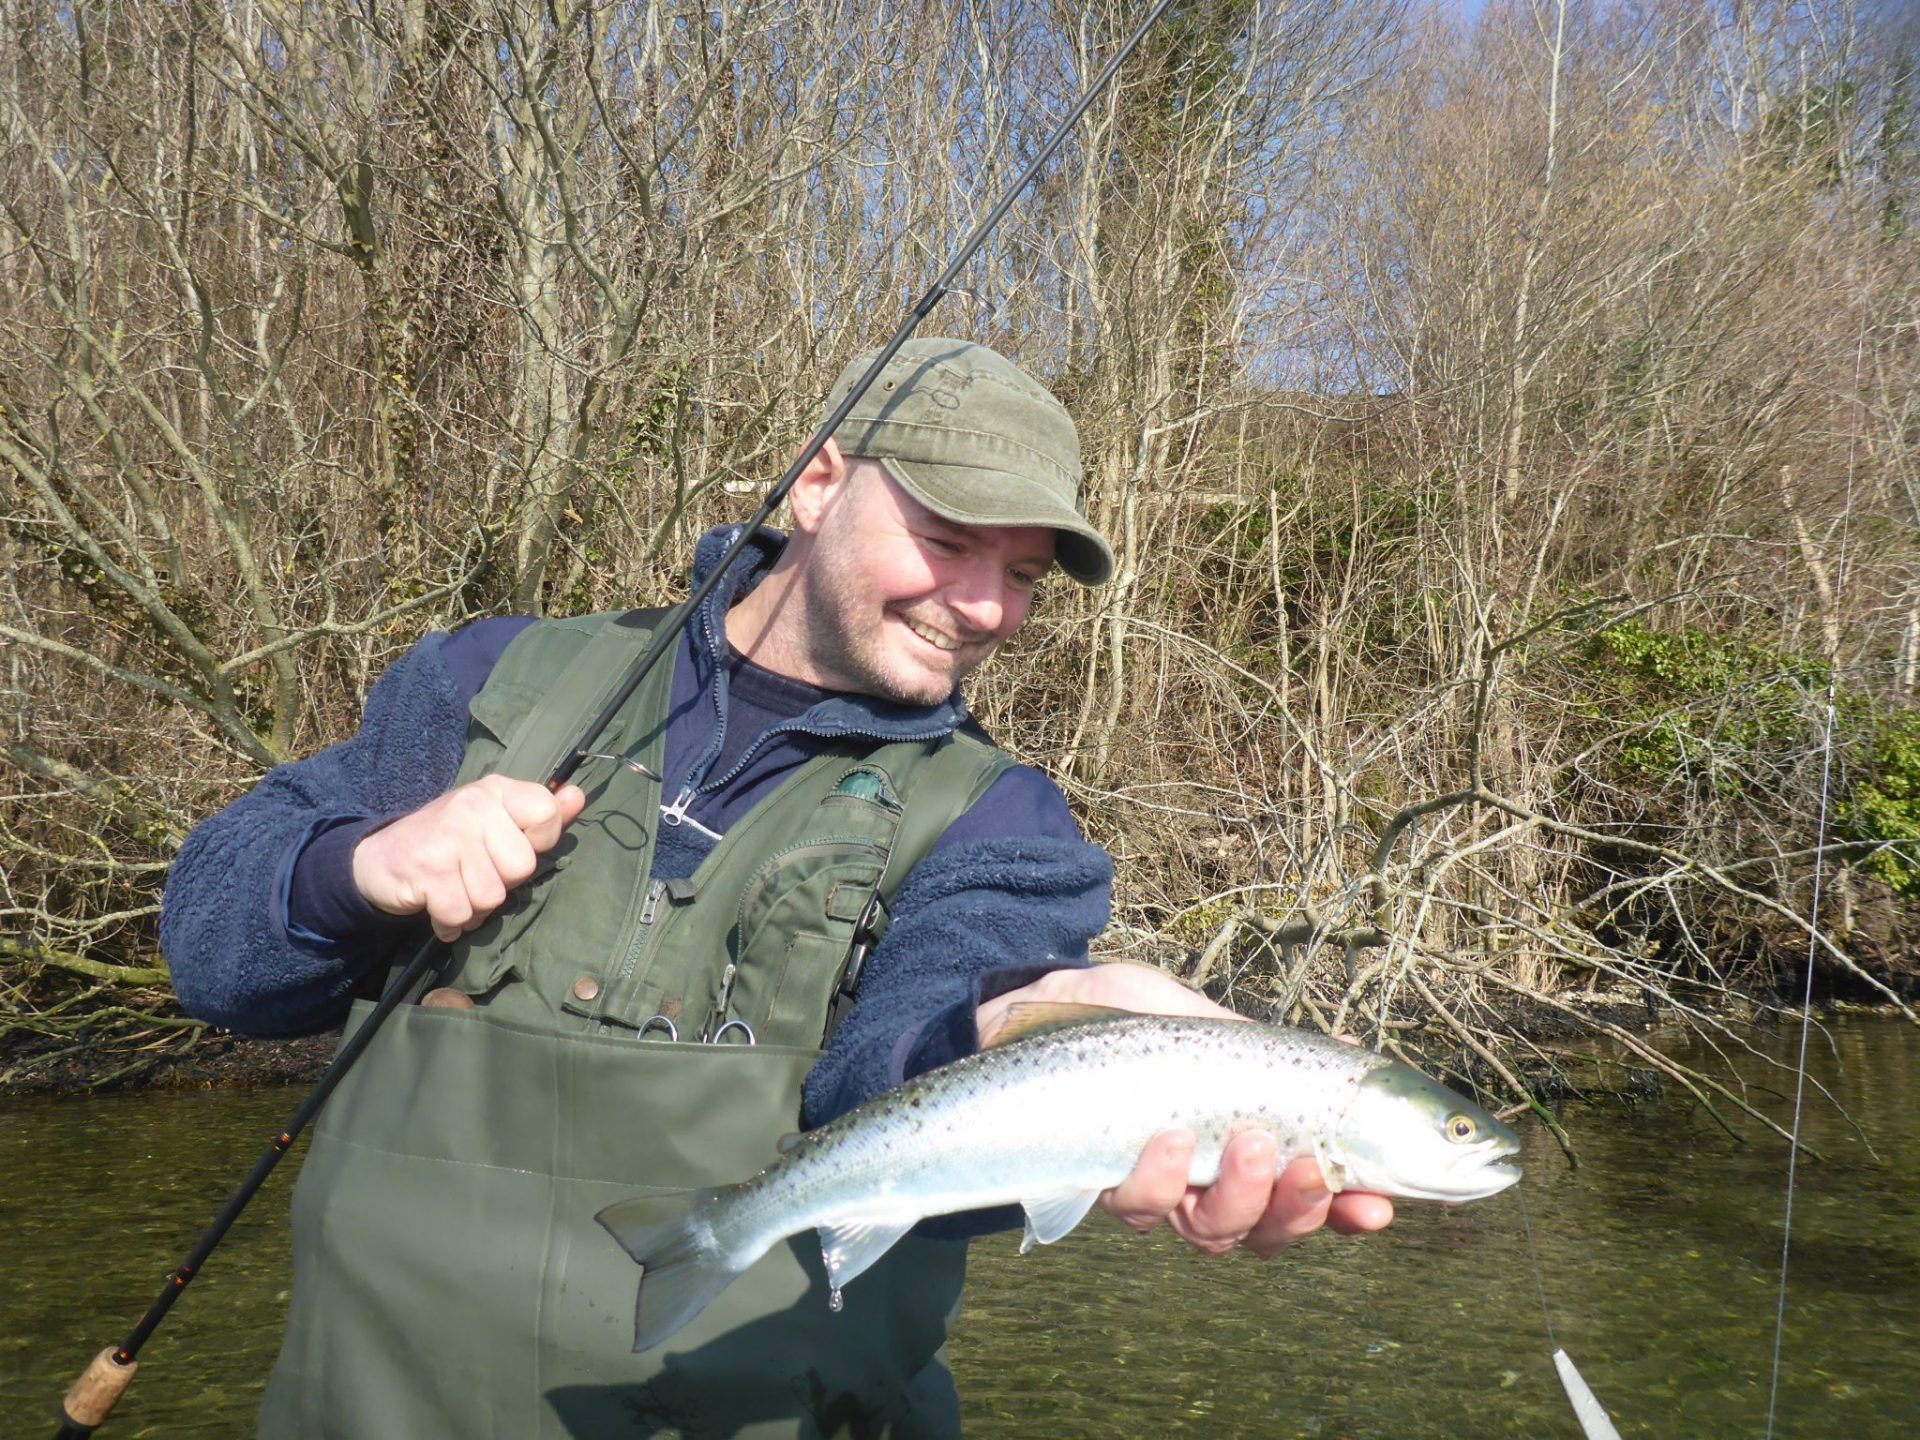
{"x": 933, "y": 637}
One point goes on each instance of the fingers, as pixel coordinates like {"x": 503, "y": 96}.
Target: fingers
{"x": 1224, "y": 1214}
{"x": 507, "y": 853}
{"x": 1248, "y": 1205}
{"x": 1298, "y": 1205}
{"x": 449, "y": 906}
{"x": 538, "y": 813}
{"x": 480, "y": 877}
{"x": 1301, "y": 1204}
{"x": 572, "y": 800}
{"x": 1360, "y": 1212}
{"x": 457, "y": 859}
{"x": 1157, "y": 1184}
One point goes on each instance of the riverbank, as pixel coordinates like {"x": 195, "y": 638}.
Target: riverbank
{"x": 186, "y": 1056}
{"x": 211, "y": 1060}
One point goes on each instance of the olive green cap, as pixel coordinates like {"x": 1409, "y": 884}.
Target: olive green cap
{"x": 975, "y": 439}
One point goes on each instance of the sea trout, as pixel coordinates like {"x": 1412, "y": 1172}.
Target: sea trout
{"x": 1049, "y": 1120}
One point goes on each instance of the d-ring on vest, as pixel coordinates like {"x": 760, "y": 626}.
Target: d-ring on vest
{"x": 449, "y": 1279}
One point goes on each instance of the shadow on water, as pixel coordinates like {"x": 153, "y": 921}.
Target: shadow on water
{"x": 681, "y": 1404}
{"x": 723, "y": 1388}
{"x": 1661, "y": 1260}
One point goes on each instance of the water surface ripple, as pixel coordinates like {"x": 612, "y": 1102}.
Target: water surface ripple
{"x": 1661, "y": 1255}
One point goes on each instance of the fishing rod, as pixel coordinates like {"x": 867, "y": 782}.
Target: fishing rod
{"x": 99, "y": 1388}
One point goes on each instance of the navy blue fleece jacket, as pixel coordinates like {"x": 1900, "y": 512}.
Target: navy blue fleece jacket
{"x": 264, "y": 932}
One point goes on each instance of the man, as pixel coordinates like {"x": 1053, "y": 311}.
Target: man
{"x": 644, "y": 971}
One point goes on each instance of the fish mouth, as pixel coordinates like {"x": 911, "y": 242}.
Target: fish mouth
{"x": 1498, "y": 1171}
{"x": 1463, "y": 1176}
{"x": 1478, "y": 1176}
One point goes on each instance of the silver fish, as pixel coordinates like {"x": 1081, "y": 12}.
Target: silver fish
{"x": 1050, "y": 1120}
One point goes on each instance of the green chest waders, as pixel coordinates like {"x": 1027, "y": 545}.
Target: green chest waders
{"x": 449, "y": 1277}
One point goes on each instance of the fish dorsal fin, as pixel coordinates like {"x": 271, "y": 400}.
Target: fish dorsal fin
{"x": 1040, "y": 1017}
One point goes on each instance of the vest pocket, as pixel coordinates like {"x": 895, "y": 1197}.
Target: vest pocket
{"x": 795, "y": 927}
{"x": 499, "y": 710}
{"x": 803, "y": 990}
{"x": 486, "y": 958}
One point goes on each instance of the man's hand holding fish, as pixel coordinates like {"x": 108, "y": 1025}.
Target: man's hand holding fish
{"x": 1248, "y": 1205}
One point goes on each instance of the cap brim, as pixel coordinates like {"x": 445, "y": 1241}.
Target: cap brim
{"x": 1003, "y": 500}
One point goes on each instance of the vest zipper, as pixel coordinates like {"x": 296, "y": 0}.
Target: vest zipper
{"x": 649, "y": 910}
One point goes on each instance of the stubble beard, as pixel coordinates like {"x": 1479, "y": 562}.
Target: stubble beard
{"x": 861, "y": 657}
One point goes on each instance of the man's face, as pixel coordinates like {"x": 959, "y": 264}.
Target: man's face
{"x": 904, "y": 604}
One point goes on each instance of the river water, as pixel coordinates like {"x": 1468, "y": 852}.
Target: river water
{"x": 1659, "y": 1266}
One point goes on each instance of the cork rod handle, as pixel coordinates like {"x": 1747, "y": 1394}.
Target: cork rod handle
{"x": 96, "y": 1392}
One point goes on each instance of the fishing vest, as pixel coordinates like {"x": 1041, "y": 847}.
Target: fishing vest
{"x": 642, "y": 1037}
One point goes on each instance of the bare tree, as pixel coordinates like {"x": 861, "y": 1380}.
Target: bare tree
{"x": 1507, "y": 430}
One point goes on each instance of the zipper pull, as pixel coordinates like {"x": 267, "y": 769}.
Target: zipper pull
{"x": 650, "y": 907}
{"x": 676, "y": 814}
{"x": 720, "y": 1021}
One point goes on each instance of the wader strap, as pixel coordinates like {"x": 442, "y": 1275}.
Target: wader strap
{"x": 957, "y": 775}
{"x": 549, "y": 720}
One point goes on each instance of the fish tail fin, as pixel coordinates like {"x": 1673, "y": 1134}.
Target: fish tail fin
{"x": 683, "y": 1267}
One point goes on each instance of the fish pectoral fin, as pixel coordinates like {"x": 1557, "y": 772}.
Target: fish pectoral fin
{"x": 850, "y": 1247}
{"x": 1333, "y": 1174}
{"x": 1051, "y": 1216}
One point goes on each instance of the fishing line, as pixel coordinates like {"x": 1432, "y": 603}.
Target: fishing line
{"x": 1800, "y": 1077}
{"x": 1595, "y": 1423}
{"x": 1539, "y": 1271}
{"x": 1813, "y": 914}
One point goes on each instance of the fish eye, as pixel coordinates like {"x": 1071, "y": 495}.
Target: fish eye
{"x": 1461, "y": 1128}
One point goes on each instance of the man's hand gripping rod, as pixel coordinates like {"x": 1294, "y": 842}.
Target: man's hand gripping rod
{"x": 94, "y": 1394}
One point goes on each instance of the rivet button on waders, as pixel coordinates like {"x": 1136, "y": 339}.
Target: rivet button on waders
{"x": 585, "y": 988}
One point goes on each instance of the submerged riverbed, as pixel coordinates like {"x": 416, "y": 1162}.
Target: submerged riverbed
{"x": 1659, "y": 1267}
